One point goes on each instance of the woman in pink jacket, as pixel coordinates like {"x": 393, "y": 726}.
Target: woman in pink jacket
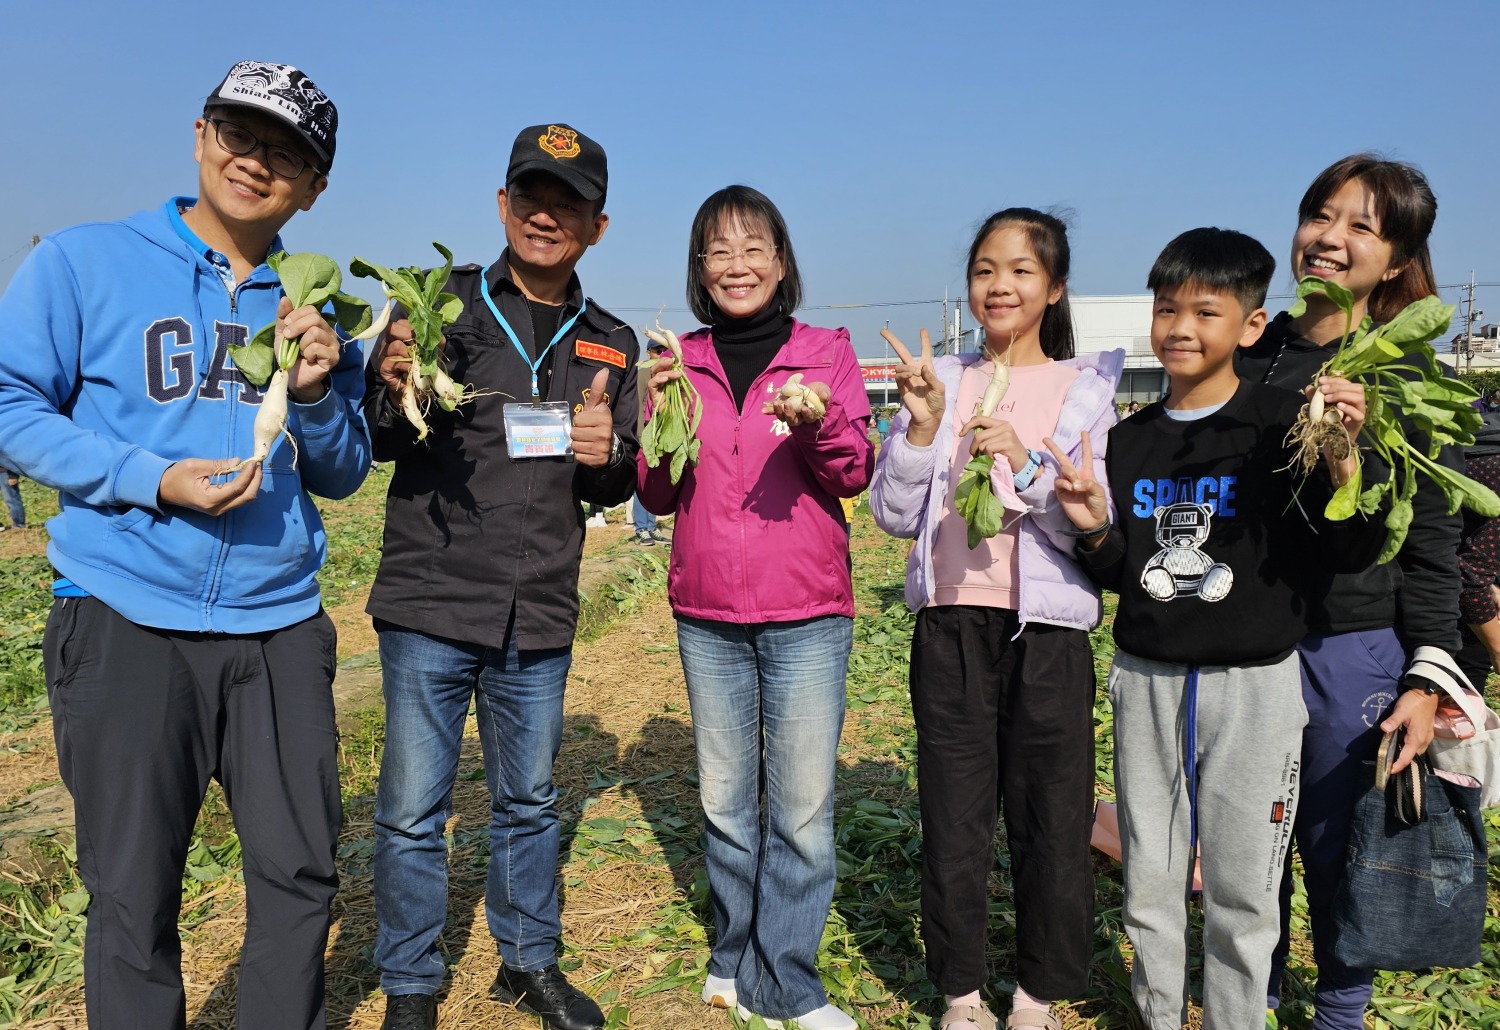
{"x": 760, "y": 584}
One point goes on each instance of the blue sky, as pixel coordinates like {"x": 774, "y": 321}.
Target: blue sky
{"x": 884, "y": 131}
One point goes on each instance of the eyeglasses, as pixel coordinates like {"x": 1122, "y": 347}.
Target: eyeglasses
{"x": 756, "y": 259}
{"x": 240, "y": 141}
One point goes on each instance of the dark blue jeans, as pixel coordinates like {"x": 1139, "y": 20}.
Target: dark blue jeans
{"x": 12, "y": 495}
{"x": 642, "y": 518}
{"x": 1349, "y": 682}
{"x": 429, "y": 682}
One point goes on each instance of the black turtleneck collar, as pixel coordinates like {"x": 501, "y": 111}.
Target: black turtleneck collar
{"x": 746, "y": 346}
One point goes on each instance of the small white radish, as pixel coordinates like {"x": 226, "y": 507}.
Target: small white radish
{"x": 448, "y": 394}
{"x": 270, "y": 421}
{"x": 667, "y": 339}
{"x": 378, "y": 326}
{"x": 410, "y": 406}
{"x": 1315, "y": 406}
{"x": 999, "y": 384}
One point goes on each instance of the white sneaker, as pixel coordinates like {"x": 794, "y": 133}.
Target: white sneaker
{"x": 829, "y": 1017}
{"x": 718, "y": 991}
{"x": 595, "y": 521}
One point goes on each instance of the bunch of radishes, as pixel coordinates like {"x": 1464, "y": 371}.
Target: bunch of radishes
{"x": 672, "y": 431}
{"x": 430, "y": 311}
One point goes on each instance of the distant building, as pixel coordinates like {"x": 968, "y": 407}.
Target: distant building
{"x": 1099, "y": 324}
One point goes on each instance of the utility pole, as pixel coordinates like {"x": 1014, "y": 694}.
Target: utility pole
{"x": 1470, "y": 317}
{"x": 887, "y": 375}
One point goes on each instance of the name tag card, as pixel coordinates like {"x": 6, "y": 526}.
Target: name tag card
{"x": 539, "y": 430}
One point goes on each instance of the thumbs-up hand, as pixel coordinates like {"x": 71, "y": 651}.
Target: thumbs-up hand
{"x": 594, "y": 425}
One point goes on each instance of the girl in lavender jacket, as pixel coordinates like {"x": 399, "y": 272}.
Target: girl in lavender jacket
{"x": 1002, "y": 678}
{"x": 760, "y": 584}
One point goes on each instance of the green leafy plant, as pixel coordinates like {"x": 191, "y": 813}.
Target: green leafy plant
{"x": 266, "y": 359}
{"x": 672, "y": 432}
{"x": 430, "y": 311}
{"x": 1403, "y": 380}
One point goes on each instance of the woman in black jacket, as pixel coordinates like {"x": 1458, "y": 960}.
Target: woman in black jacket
{"x": 1364, "y": 224}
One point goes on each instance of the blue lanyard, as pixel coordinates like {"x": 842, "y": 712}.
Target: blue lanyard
{"x": 484, "y": 291}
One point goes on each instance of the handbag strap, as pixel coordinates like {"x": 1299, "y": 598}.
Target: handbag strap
{"x": 1437, "y": 666}
{"x": 1406, "y": 791}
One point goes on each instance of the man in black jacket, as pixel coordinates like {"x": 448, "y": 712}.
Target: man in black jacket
{"x": 477, "y": 593}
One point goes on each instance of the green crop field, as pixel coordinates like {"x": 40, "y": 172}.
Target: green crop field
{"x": 635, "y": 898}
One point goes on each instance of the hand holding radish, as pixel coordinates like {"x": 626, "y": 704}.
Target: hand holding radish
{"x": 319, "y": 350}
{"x": 995, "y": 437}
{"x": 199, "y": 484}
{"x": 664, "y": 369}
{"x": 1080, "y": 495}
{"x": 594, "y": 426}
{"x": 1348, "y": 399}
{"x": 676, "y": 409}
{"x": 798, "y": 403}
{"x": 922, "y": 393}
{"x": 271, "y": 357}
{"x": 395, "y": 356}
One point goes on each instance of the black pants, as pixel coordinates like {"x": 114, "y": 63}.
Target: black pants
{"x": 143, "y": 718}
{"x": 1004, "y": 722}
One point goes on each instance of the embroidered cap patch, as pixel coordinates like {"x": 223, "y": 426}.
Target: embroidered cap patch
{"x": 559, "y": 141}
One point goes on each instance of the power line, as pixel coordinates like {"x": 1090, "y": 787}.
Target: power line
{"x": 22, "y": 247}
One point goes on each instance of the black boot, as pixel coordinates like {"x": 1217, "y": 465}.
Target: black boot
{"x": 547, "y": 993}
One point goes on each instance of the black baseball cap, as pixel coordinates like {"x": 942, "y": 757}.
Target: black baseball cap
{"x": 285, "y": 93}
{"x": 563, "y": 151}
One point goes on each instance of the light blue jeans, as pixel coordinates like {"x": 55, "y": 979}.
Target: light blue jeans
{"x": 768, "y": 708}
{"x": 428, "y": 683}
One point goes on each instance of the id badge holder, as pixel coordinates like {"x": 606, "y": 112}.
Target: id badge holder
{"x": 538, "y": 430}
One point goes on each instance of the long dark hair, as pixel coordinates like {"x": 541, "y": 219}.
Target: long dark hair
{"x": 1047, "y": 236}
{"x": 751, "y": 208}
{"x": 1406, "y": 207}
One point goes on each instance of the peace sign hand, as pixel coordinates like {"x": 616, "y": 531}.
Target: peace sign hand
{"x": 922, "y": 393}
{"x": 1081, "y": 495}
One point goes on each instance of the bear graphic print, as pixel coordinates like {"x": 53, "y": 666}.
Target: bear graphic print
{"x": 1180, "y": 568}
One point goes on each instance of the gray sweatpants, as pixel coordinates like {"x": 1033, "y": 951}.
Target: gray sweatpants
{"x": 1246, "y": 736}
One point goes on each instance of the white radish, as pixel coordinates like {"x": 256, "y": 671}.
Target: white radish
{"x": 445, "y": 391}
{"x": 270, "y": 422}
{"x": 410, "y": 406}
{"x": 1315, "y": 406}
{"x": 667, "y": 339}
{"x": 378, "y": 326}
{"x": 999, "y": 383}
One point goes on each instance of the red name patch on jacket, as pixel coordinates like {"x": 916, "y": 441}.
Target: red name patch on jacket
{"x": 599, "y": 352}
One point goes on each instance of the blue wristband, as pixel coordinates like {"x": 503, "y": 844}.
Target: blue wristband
{"x": 1022, "y": 479}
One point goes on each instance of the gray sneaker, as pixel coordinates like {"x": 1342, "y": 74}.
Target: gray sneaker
{"x": 646, "y": 538}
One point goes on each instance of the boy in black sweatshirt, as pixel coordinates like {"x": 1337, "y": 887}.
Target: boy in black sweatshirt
{"x": 1215, "y": 549}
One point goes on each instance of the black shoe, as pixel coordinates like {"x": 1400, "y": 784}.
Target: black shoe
{"x": 547, "y": 993}
{"x": 645, "y": 538}
{"x": 410, "y": 1012}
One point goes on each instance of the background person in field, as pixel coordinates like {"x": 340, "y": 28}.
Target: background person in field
{"x": 187, "y": 639}
{"x": 760, "y": 584}
{"x": 1364, "y": 224}
{"x": 476, "y": 598}
{"x": 10, "y": 487}
{"x": 1002, "y": 676}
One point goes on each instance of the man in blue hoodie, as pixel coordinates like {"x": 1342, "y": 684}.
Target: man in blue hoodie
{"x": 186, "y": 638}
